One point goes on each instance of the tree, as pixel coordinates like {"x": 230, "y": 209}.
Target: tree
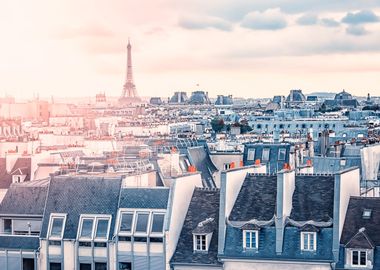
{"x": 217, "y": 124}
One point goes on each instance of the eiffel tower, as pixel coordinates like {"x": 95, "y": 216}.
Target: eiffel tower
{"x": 129, "y": 93}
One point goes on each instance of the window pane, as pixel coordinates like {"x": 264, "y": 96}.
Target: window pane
{"x": 281, "y": 154}
{"x": 125, "y": 266}
{"x": 247, "y": 239}
{"x": 102, "y": 228}
{"x": 311, "y": 242}
{"x": 363, "y": 258}
{"x": 265, "y": 155}
{"x": 85, "y": 266}
{"x": 56, "y": 227}
{"x": 100, "y": 266}
{"x": 87, "y": 228}
{"x": 251, "y": 154}
{"x": 142, "y": 222}
{"x": 253, "y": 239}
{"x": 55, "y": 266}
{"x": 158, "y": 223}
{"x": 126, "y": 222}
{"x": 355, "y": 258}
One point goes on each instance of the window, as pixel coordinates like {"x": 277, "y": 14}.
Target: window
{"x": 251, "y": 154}
{"x": 142, "y": 223}
{"x": 226, "y": 166}
{"x": 359, "y": 258}
{"x": 367, "y": 213}
{"x": 101, "y": 228}
{"x": 200, "y": 242}
{"x": 126, "y": 222}
{"x": 281, "y": 154}
{"x": 56, "y": 226}
{"x": 94, "y": 228}
{"x": 250, "y": 239}
{"x": 158, "y": 223}
{"x": 308, "y": 241}
{"x": 85, "y": 266}
{"x": 125, "y": 266}
{"x": 265, "y": 155}
{"x": 86, "y": 230}
{"x": 100, "y": 266}
{"x": 27, "y": 264}
{"x": 8, "y": 226}
{"x": 55, "y": 266}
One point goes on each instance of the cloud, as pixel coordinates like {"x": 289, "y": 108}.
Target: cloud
{"x": 307, "y": 19}
{"x": 356, "y": 30}
{"x": 270, "y": 19}
{"x": 328, "y": 22}
{"x": 204, "y": 22}
{"x": 363, "y": 16}
{"x": 89, "y": 30}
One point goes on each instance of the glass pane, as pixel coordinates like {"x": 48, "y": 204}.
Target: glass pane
{"x": 311, "y": 242}
{"x": 281, "y": 154}
{"x": 55, "y": 266}
{"x": 100, "y": 266}
{"x": 125, "y": 266}
{"x": 355, "y": 258}
{"x": 203, "y": 242}
{"x": 56, "y": 227}
{"x": 247, "y": 239}
{"x": 142, "y": 222}
{"x": 85, "y": 266}
{"x": 305, "y": 241}
{"x": 126, "y": 222}
{"x": 251, "y": 154}
{"x": 363, "y": 258}
{"x": 87, "y": 228}
{"x": 158, "y": 223}
{"x": 253, "y": 239}
{"x": 102, "y": 228}
{"x": 265, "y": 155}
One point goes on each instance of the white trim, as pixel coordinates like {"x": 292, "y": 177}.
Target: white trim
{"x": 256, "y": 232}
{"x": 308, "y": 248}
{"x": 52, "y": 216}
{"x": 352, "y": 258}
{"x": 95, "y": 218}
{"x": 201, "y": 238}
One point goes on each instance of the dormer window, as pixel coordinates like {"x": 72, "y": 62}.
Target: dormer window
{"x": 200, "y": 242}
{"x": 308, "y": 241}
{"x": 202, "y": 234}
{"x": 94, "y": 228}
{"x": 359, "y": 258}
{"x": 250, "y": 239}
{"x": 56, "y": 227}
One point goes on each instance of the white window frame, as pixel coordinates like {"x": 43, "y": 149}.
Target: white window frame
{"x": 352, "y": 258}
{"x": 124, "y": 233}
{"x": 251, "y": 154}
{"x": 95, "y": 219}
{"x": 53, "y": 216}
{"x": 226, "y": 166}
{"x": 308, "y": 234}
{"x": 279, "y": 154}
{"x": 265, "y": 149}
{"x": 156, "y": 234}
{"x": 251, "y": 232}
{"x": 201, "y": 237}
{"x": 146, "y": 233}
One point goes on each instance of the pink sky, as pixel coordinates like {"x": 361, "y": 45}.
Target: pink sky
{"x": 248, "y": 48}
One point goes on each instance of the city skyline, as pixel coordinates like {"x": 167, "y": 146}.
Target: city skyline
{"x": 245, "y": 49}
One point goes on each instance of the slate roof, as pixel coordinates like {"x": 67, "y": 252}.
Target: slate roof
{"x": 325, "y": 165}
{"x": 354, "y": 221}
{"x": 202, "y": 161}
{"x": 360, "y": 240}
{"x": 204, "y": 204}
{"x": 256, "y": 199}
{"x": 79, "y": 195}
{"x": 19, "y": 242}
{"x": 155, "y": 198}
{"x": 313, "y": 198}
{"x": 24, "y": 200}
{"x": 22, "y": 165}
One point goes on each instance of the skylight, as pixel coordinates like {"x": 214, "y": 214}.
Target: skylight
{"x": 367, "y": 213}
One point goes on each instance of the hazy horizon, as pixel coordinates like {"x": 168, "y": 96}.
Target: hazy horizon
{"x": 251, "y": 49}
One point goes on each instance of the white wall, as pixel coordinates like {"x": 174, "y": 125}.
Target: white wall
{"x": 181, "y": 194}
{"x": 370, "y": 159}
{"x": 220, "y": 159}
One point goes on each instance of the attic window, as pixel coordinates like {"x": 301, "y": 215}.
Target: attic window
{"x": 202, "y": 234}
{"x": 200, "y": 242}
{"x": 56, "y": 227}
{"x": 94, "y": 228}
{"x": 308, "y": 241}
{"x": 250, "y": 239}
{"x": 367, "y": 213}
{"x": 265, "y": 155}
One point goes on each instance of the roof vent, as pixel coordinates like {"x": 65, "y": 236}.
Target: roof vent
{"x": 362, "y": 229}
{"x": 366, "y": 213}
{"x": 204, "y": 222}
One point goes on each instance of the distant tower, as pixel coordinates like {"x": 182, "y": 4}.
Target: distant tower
{"x": 129, "y": 89}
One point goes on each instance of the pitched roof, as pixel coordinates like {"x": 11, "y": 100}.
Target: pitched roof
{"x": 202, "y": 161}
{"x": 24, "y": 200}
{"x": 360, "y": 240}
{"x": 204, "y": 204}
{"x": 256, "y": 199}
{"x": 80, "y": 195}
{"x": 313, "y": 198}
{"x": 354, "y": 220}
{"x": 155, "y": 198}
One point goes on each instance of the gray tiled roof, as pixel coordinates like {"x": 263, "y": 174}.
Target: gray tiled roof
{"x": 313, "y": 198}
{"x": 78, "y": 195}
{"x": 19, "y": 242}
{"x": 26, "y": 200}
{"x": 155, "y": 198}
{"x": 204, "y": 204}
{"x": 354, "y": 220}
{"x": 256, "y": 199}
{"x": 202, "y": 161}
